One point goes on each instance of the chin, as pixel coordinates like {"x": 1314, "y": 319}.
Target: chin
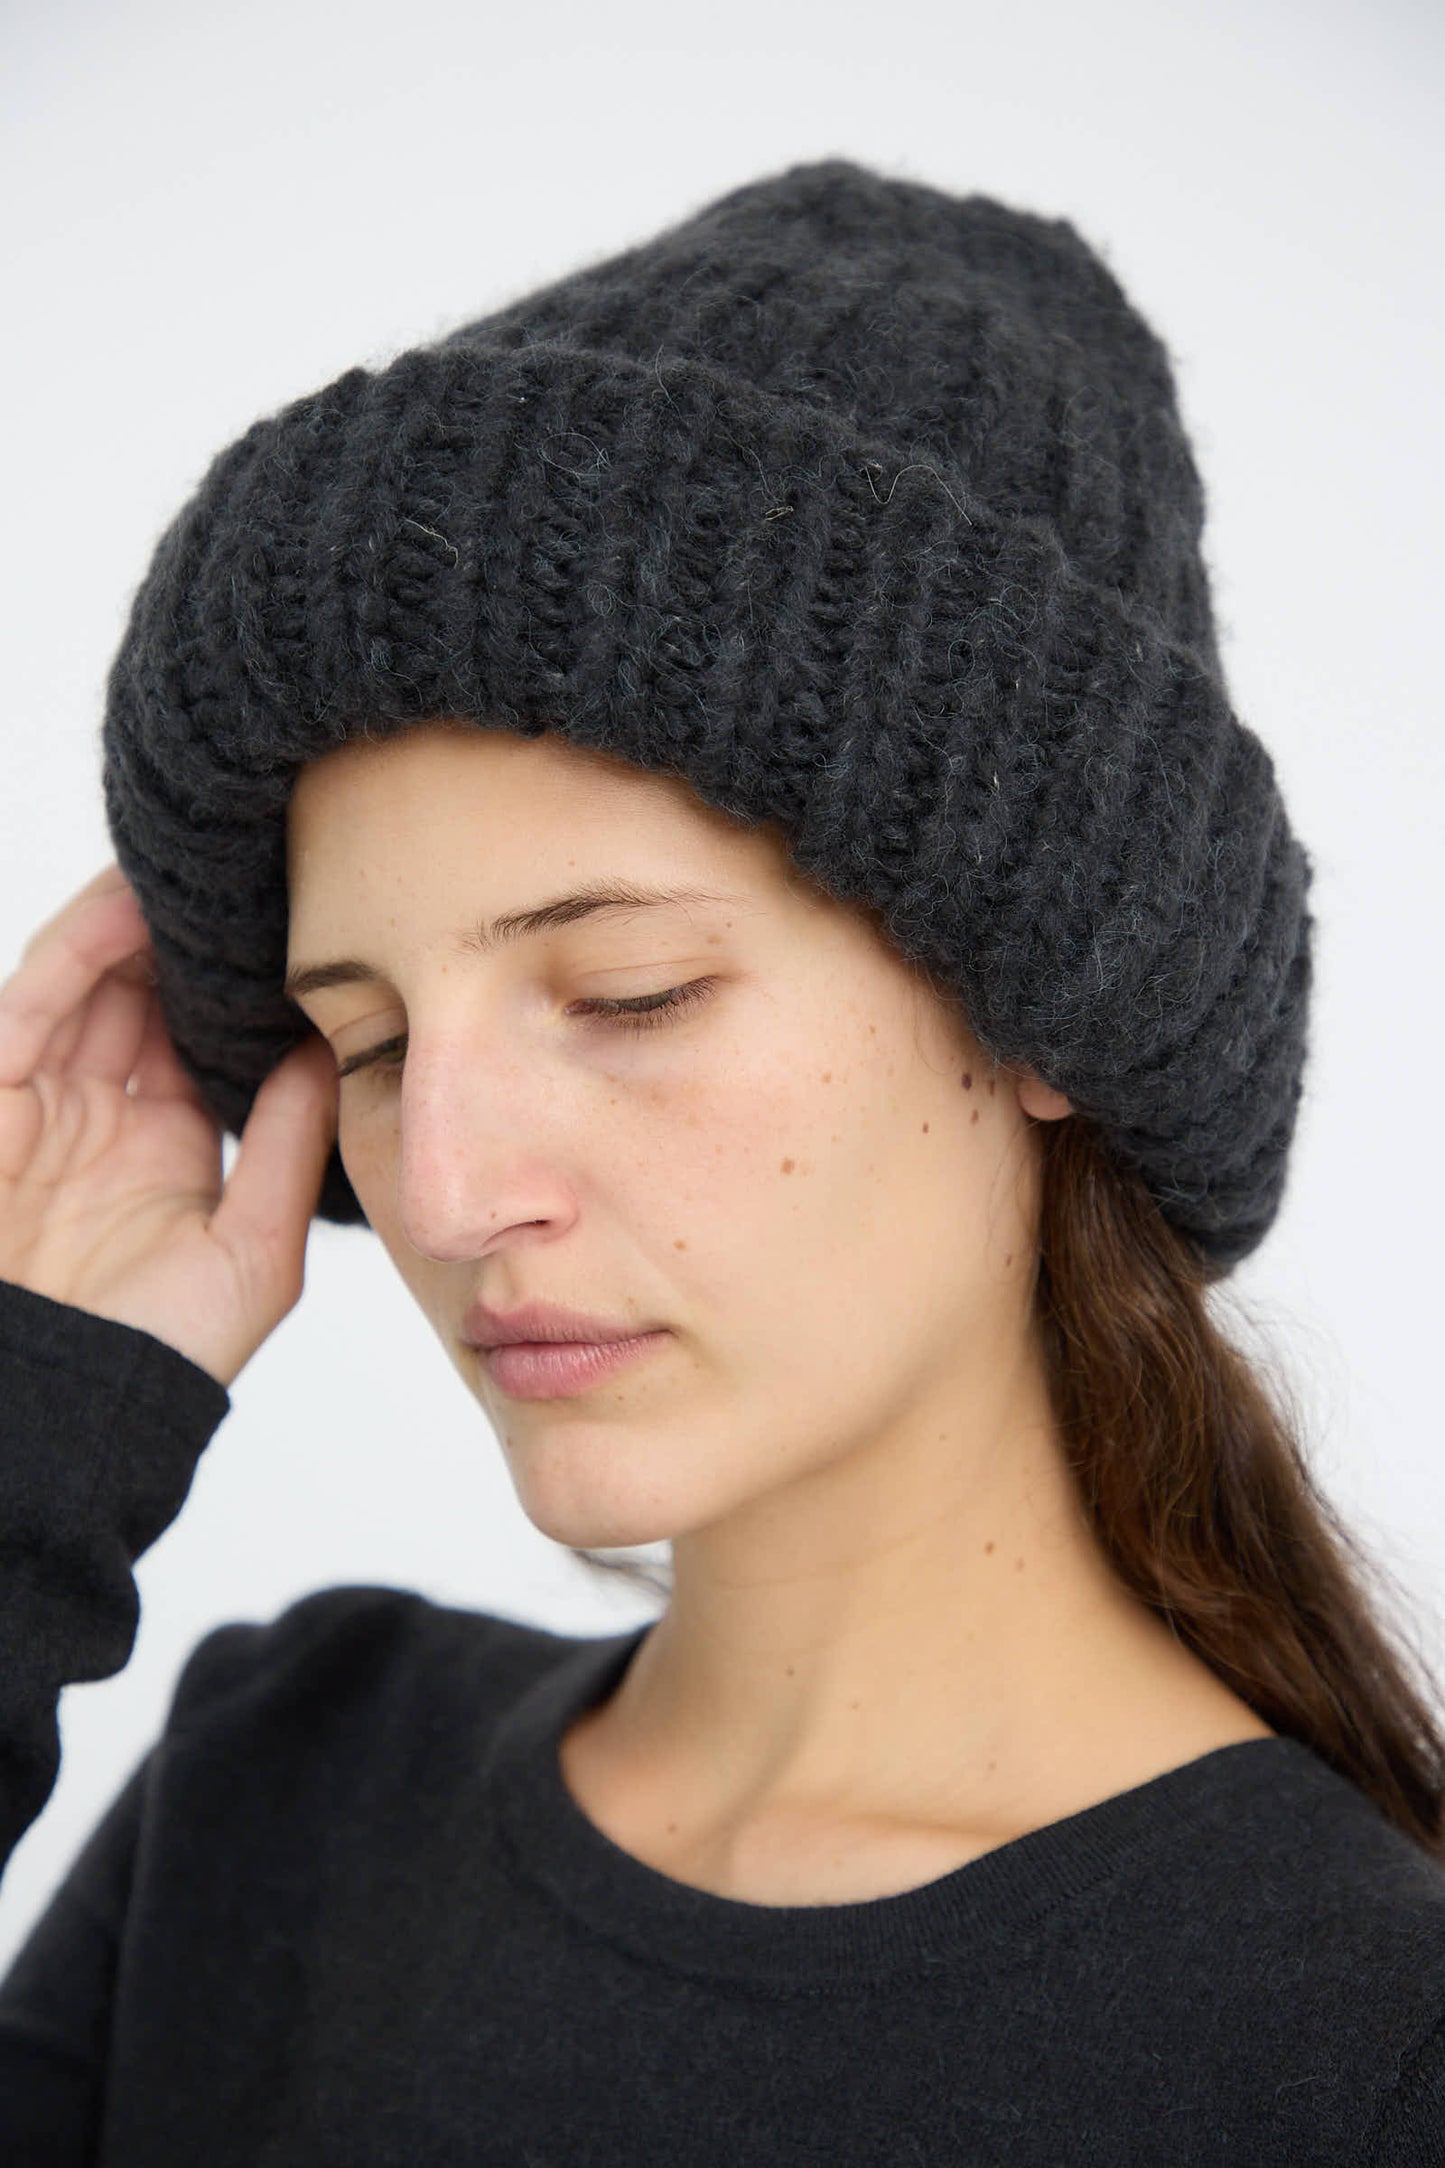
{"x": 623, "y": 1483}
{"x": 589, "y": 1506}
{"x": 582, "y": 1528}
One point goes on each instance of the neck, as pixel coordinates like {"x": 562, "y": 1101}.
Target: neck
{"x": 951, "y": 1653}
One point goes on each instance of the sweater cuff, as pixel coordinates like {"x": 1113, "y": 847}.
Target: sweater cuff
{"x": 60, "y": 1336}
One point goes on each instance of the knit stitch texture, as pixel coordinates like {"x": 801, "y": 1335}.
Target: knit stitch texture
{"x": 864, "y": 507}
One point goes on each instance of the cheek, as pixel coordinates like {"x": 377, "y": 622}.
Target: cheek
{"x": 762, "y": 1159}
{"x": 862, "y": 1176}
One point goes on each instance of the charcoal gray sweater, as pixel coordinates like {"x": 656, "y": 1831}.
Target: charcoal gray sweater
{"x": 346, "y": 1911}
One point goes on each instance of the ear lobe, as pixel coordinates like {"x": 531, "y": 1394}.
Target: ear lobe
{"x": 1041, "y": 1100}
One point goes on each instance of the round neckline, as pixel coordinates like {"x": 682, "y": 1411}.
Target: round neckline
{"x": 556, "y": 1846}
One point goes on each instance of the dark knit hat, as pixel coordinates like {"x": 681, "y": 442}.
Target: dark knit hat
{"x": 866, "y": 508}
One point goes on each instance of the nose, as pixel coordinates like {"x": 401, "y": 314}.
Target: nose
{"x": 472, "y": 1161}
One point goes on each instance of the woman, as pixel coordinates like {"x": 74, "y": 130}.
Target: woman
{"x": 707, "y": 801}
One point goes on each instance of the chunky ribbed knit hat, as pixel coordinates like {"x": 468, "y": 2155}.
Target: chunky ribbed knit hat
{"x": 866, "y": 508}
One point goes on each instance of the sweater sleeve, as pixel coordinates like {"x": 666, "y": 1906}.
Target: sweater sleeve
{"x": 101, "y": 1428}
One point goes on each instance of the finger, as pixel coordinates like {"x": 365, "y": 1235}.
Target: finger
{"x": 110, "y": 880}
{"x": 59, "y": 968}
{"x": 112, "y": 1025}
{"x": 270, "y": 1196}
{"x": 158, "y": 1072}
{"x": 137, "y": 970}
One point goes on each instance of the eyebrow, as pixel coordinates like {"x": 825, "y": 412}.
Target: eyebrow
{"x": 491, "y": 934}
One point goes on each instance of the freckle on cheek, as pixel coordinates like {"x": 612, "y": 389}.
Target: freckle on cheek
{"x": 788, "y": 1165}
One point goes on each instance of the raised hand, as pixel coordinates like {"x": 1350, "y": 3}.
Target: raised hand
{"x": 111, "y": 1188}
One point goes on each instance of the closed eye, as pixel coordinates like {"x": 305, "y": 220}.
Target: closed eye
{"x": 644, "y": 1013}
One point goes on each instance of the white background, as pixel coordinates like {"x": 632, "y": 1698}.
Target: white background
{"x": 210, "y": 210}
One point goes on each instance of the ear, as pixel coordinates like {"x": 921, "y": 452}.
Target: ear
{"x": 1041, "y": 1100}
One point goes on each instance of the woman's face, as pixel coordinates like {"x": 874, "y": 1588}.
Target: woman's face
{"x": 809, "y": 1174}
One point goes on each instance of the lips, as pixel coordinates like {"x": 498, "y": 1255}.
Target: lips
{"x": 560, "y": 1370}
{"x": 546, "y": 1322}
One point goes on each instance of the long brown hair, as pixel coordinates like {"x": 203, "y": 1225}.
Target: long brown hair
{"x": 1189, "y": 1458}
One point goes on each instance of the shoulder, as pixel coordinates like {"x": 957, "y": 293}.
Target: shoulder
{"x": 1334, "y": 1921}
{"x": 316, "y": 1752}
{"x": 1304, "y": 1865}
{"x": 339, "y": 1655}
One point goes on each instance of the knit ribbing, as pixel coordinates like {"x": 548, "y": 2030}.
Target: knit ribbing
{"x": 864, "y": 508}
